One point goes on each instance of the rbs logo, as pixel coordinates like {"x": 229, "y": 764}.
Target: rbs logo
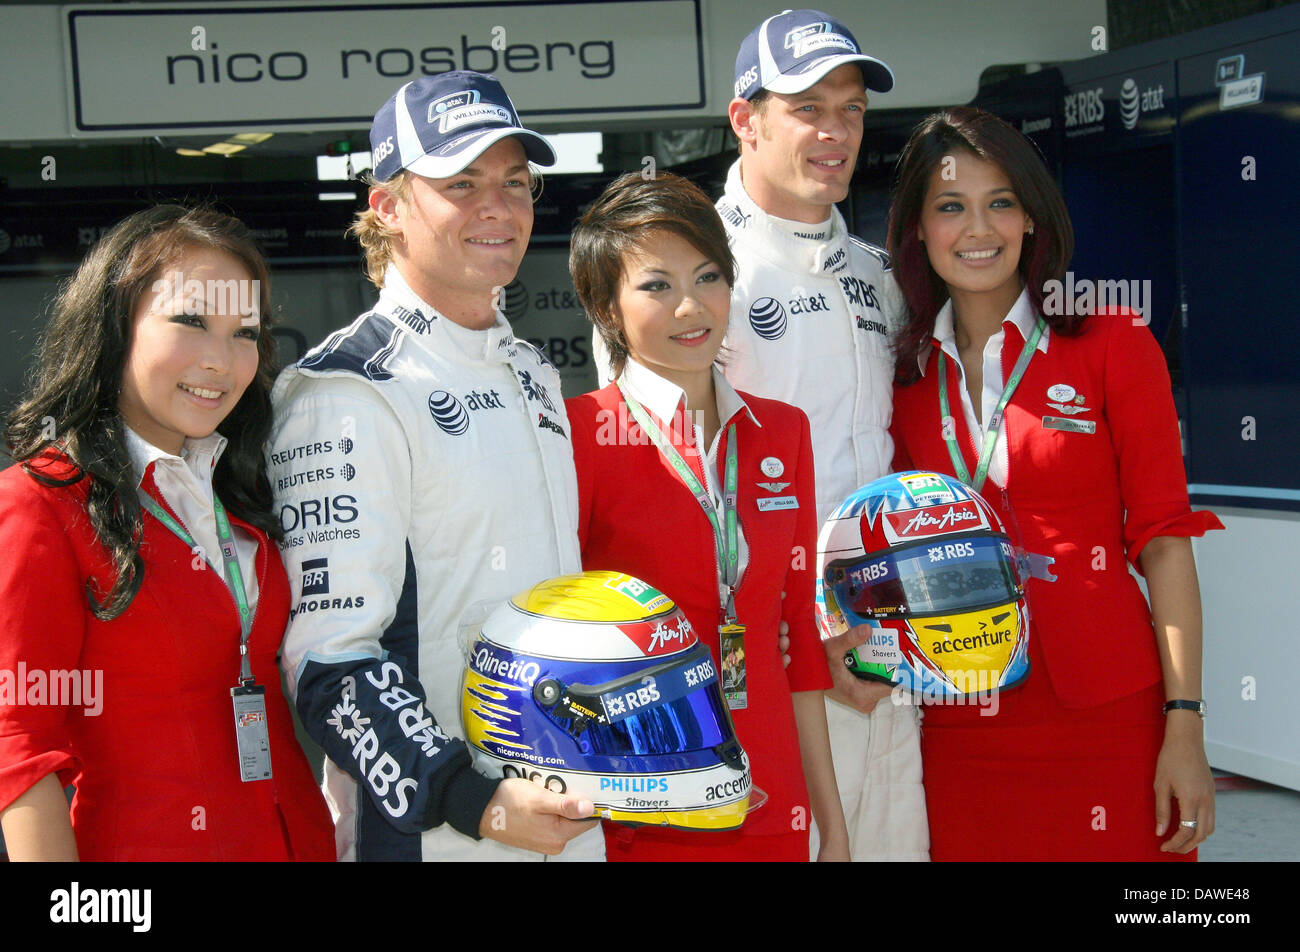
{"x": 382, "y": 151}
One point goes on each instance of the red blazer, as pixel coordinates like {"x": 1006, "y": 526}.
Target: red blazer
{"x": 156, "y": 771}
{"x": 1091, "y": 501}
{"x": 636, "y": 516}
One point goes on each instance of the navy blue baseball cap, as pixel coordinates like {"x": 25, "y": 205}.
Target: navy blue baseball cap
{"x": 793, "y": 50}
{"x": 437, "y": 125}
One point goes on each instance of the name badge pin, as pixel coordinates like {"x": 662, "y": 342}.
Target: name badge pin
{"x": 771, "y": 466}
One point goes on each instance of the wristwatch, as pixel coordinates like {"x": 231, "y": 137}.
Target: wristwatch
{"x": 1197, "y": 706}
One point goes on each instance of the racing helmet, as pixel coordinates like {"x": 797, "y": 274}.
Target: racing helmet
{"x": 924, "y": 560}
{"x": 596, "y": 684}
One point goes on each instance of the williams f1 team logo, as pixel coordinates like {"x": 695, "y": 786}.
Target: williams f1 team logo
{"x": 816, "y": 36}
{"x": 451, "y": 417}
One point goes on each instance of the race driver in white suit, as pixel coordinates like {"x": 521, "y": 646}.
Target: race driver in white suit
{"x": 422, "y": 465}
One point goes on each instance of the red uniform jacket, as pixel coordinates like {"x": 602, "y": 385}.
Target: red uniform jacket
{"x": 637, "y": 517}
{"x": 156, "y": 771}
{"x": 1090, "y": 500}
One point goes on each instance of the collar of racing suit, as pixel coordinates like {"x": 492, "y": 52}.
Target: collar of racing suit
{"x": 791, "y": 245}
{"x": 434, "y": 332}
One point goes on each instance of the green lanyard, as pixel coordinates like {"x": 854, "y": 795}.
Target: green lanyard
{"x": 234, "y": 577}
{"x": 995, "y": 421}
{"x": 727, "y": 543}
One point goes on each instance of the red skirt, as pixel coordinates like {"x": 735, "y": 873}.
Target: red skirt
{"x": 1038, "y": 781}
{"x": 625, "y": 844}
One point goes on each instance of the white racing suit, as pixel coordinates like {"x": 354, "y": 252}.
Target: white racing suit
{"x": 813, "y": 311}
{"x": 419, "y": 468}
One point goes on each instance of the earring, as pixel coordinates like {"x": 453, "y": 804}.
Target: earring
{"x": 1031, "y": 230}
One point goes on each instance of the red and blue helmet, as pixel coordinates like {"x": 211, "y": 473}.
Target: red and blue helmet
{"x": 924, "y": 560}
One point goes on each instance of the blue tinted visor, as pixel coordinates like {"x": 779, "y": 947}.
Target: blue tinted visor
{"x": 672, "y": 708}
{"x": 945, "y": 576}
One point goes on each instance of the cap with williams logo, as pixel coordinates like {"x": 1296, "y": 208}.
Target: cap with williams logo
{"x": 793, "y": 50}
{"x": 437, "y": 125}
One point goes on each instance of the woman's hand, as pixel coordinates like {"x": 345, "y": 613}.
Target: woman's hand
{"x": 1183, "y": 773}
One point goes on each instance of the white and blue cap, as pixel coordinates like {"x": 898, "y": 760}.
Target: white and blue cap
{"x": 793, "y": 50}
{"x": 437, "y": 125}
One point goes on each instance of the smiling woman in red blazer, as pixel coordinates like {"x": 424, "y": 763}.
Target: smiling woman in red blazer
{"x": 651, "y": 265}
{"x": 124, "y": 575}
{"x": 1084, "y": 465}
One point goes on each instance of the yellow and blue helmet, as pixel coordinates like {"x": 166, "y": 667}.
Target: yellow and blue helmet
{"x": 924, "y": 560}
{"x": 596, "y": 684}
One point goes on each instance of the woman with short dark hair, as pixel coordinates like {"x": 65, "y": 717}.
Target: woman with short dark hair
{"x": 1069, "y": 418}
{"x": 706, "y": 494}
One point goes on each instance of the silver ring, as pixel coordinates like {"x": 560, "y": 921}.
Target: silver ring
{"x": 1190, "y": 824}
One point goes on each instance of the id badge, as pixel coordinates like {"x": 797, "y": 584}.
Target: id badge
{"x": 731, "y": 639}
{"x": 251, "y": 735}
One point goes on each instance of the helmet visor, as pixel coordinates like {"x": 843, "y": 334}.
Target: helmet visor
{"x": 928, "y": 578}
{"x": 671, "y": 708}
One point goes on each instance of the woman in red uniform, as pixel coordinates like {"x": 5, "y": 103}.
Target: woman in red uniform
{"x": 139, "y": 573}
{"x": 707, "y": 494}
{"x": 1064, "y": 421}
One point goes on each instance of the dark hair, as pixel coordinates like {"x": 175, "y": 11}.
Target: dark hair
{"x": 617, "y": 223}
{"x": 1043, "y": 256}
{"x": 76, "y": 384}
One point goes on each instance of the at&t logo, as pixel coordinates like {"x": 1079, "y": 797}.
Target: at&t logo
{"x": 448, "y": 413}
{"x": 767, "y": 317}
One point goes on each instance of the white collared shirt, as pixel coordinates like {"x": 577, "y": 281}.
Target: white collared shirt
{"x": 1023, "y": 317}
{"x": 663, "y": 398}
{"x": 185, "y": 482}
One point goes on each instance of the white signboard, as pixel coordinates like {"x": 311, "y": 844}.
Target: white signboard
{"x": 182, "y": 67}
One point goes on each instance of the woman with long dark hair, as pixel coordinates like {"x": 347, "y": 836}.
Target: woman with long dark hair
{"x": 141, "y": 593}
{"x": 1061, "y": 415}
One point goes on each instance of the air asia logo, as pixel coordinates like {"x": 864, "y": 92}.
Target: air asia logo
{"x": 316, "y": 577}
{"x": 816, "y": 36}
{"x": 448, "y": 413}
{"x": 911, "y": 523}
{"x": 415, "y": 320}
{"x": 543, "y": 423}
{"x": 535, "y": 391}
{"x": 767, "y": 317}
{"x": 859, "y": 292}
{"x": 670, "y": 637}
